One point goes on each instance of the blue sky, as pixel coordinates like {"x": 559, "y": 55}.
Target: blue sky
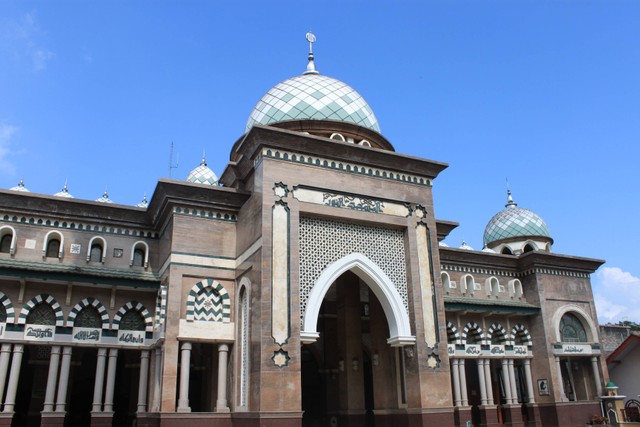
{"x": 544, "y": 93}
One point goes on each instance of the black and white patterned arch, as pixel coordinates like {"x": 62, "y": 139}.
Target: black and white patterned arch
{"x": 38, "y": 299}
{"x": 135, "y": 306}
{"x": 89, "y": 302}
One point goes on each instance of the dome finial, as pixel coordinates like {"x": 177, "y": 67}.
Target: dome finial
{"x": 510, "y": 201}
{"x": 311, "y": 66}
{"x": 204, "y": 159}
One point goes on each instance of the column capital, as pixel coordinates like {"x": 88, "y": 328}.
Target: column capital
{"x": 223, "y": 347}
{"x": 185, "y": 345}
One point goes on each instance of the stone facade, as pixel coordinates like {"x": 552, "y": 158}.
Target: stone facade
{"x": 309, "y": 288}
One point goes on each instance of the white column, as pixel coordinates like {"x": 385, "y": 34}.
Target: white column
{"x": 144, "y": 378}
{"x": 52, "y": 378}
{"x": 483, "y": 388}
{"x": 14, "y": 376}
{"x": 185, "y": 362}
{"x": 487, "y": 380}
{"x": 527, "y": 374}
{"x": 99, "y": 384}
{"x": 111, "y": 379}
{"x": 64, "y": 379}
{"x": 456, "y": 382}
{"x": 5, "y": 354}
{"x": 596, "y": 374}
{"x": 157, "y": 376}
{"x": 463, "y": 383}
{"x": 506, "y": 381}
{"x": 512, "y": 379}
{"x": 563, "y": 396}
{"x": 221, "y": 402}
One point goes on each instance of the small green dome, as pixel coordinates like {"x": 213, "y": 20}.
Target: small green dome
{"x": 514, "y": 222}
{"x": 315, "y": 97}
{"x": 203, "y": 174}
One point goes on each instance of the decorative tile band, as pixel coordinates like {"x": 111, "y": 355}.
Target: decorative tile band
{"x": 353, "y": 168}
{"x": 201, "y": 213}
{"x": 550, "y": 271}
{"x": 350, "y": 201}
{"x": 70, "y": 225}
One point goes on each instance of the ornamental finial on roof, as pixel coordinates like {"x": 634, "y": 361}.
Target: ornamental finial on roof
{"x": 311, "y": 66}
{"x": 204, "y": 159}
{"x": 510, "y": 201}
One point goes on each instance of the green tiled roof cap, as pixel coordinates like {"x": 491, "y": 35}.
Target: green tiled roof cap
{"x": 313, "y": 96}
{"x": 203, "y": 174}
{"x": 514, "y": 222}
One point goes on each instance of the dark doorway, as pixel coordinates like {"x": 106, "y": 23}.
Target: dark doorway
{"x": 32, "y": 385}
{"x": 81, "y": 382}
{"x": 125, "y": 398}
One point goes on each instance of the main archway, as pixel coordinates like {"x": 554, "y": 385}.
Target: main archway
{"x": 379, "y": 283}
{"x": 354, "y": 328}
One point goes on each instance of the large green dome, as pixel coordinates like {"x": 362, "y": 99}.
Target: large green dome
{"x": 514, "y": 222}
{"x": 316, "y": 97}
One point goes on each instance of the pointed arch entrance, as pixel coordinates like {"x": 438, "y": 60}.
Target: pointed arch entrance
{"x": 354, "y": 328}
{"x": 376, "y": 279}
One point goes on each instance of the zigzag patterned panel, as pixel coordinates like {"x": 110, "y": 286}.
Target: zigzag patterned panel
{"x": 208, "y": 306}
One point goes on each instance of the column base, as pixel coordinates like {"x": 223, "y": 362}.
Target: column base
{"x": 101, "y": 419}
{"x": 6, "y": 418}
{"x": 223, "y": 410}
{"x": 462, "y": 415}
{"x": 514, "y": 415}
{"x": 489, "y": 415}
{"x": 52, "y": 419}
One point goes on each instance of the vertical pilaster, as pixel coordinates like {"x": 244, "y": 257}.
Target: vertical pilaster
{"x": 111, "y": 380}
{"x": 14, "y": 376}
{"x": 52, "y": 378}
{"x": 65, "y": 367}
{"x": 456, "y": 382}
{"x": 5, "y": 355}
{"x": 483, "y": 387}
{"x": 142, "y": 384}
{"x": 506, "y": 381}
{"x": 527, "y": 374}
{"x": 426, "y": 284}
{"x": 463, "y": 382}
{"x": 157, "y": 377}
{"x": 512, "y": 381}
{"x": 280, "y": 274}
{"x": 185, "y": 362}
{"x": 488, "y": 382}
{"x": 221, "y": 402}
{"x": 596, "y": 375}
{"x": 99, "y": 383}
{"x": 563, "y": 396}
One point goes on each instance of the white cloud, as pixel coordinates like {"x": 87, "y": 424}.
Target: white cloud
{"x": 21, "y": 39}
{"x": 6, "y": 133}
{"x": 617, "y": 295}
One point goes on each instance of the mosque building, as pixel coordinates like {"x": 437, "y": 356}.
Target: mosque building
{"x": 308, "y": 285}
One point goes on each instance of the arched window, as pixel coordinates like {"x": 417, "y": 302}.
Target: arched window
{"x": 498, "y": 337}
{"x": 507, "y": 251}
{"x": 132, "y": 320}
{"x": 468, "y": 284}
{"x": 138, "y": 257}
{"x": 452, "y": 336}
{"x": 492, "y": 285}
{"x": 474, "y": 337}
{"x": 140, "y": 254}
{"x": 446, "y": 281}
{"x": 96, "y": 253}
{"x": 528, "y": 248}
{"x": 88, "y": 317}
{"x": 5, "y": 243}
{"x": 53, "y": 248}
{"x": 571, "y": 329}
{"x": 41, "y": 314}
{"x": 515, "y": 287}
{"x": 337, "y": 137}
{"x": 7, "y": 240}
{"x": 97, "y": 249}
